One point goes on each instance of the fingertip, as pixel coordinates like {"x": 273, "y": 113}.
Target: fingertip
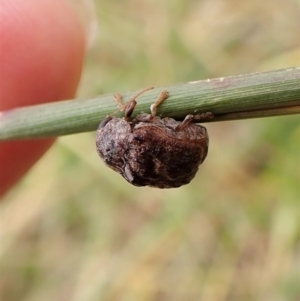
{"x": 41, "y": 56}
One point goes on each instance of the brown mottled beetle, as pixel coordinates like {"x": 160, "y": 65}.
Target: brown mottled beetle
{"x": 150, "y": 151}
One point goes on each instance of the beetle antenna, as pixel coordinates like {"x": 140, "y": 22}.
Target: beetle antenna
{"x": 145, "y": 90}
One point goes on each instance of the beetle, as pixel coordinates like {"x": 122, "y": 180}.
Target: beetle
{"x": 149, "y": 150}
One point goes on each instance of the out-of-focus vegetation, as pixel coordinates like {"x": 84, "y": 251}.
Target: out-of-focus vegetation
{"x": 75, "y": 230}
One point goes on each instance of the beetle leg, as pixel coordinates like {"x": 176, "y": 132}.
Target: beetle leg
{"x": 118, "y": 98}
{"x": 188, "y": 118}
{"x": 201, "y": 116}
{"x": 129, "y": 106}
{"x": 162, "y": 96}
{"x": 104, "y": 122}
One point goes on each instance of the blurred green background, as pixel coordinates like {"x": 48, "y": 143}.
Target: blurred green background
{"x": 75, "y": 230}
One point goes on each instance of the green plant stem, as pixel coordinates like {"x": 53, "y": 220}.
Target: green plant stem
{"x": 236, "y": 97}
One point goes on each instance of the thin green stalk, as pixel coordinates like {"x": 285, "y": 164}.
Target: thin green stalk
{"x": 236, "y": 97}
